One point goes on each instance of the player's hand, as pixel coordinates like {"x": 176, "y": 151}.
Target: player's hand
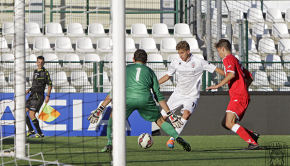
{"x": 177, "y": 123}
{"x": 94, "y": 117}
{"x": 212, "y": 87}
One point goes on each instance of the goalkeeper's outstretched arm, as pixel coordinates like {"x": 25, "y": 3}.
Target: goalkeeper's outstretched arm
{"x": 172, "y": 117}
{"x": 95, "y": 116}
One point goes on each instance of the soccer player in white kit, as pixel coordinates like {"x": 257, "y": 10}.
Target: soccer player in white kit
{"x": 189, "y": 69}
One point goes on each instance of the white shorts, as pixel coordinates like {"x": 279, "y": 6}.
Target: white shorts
{"x": 176, "y": 101}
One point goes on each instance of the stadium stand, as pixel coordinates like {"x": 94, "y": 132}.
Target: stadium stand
{"x": 84, "y": 45}
{"x": 260, "y": 30}
{"x": 129, "y": 57}
{"x": 172, "y": 56}
{"x": 58, "y": 78}
{"x": 159, "y": 31}
{"x": 280, "y": 31}
{"x": 3, "y": 45}
{"x": 284, "y": 46}
{"x": 73, "y": 62}
{"x": 194, "y": 49}
{"x": 86, "y": 89}
{"x": 265, "y": 47}
{"x": 252, "y": 47}
{"x": 260, "y": 78}
{"x": 255, "y": 15}
{"x": 284, "y": 89}
{"x": 255, "y": 58}
{"x": 69, "y": 89}
{"x": 96, "y": 30}
{"x": 3, "y": 82}
{"x": 181, "y": 30}
{"x": 90, "y": 58}
{"x": 138, "y": 31}
{"x": 265, "y": 89}
{"x": 75, "y": 30}
{"x": 8, "y": 31}
{"x": 53, "y": 29}
{"x": 287, "y": 59}
{"x": 64, "y": 45}
{"x": 51, "y": 62}
{"x": 31, "y": 58}
{"x": 273, "y": 66}
{"x": 155, "y": 58}
{"x": 274, "y": 15}
{"x": 6, "y": 58}
{"x": 149, "y": 45}
{"x": 130, "y": 45}
{"x": 41, "y": 45}
{"x": 32, "y": 30}
{"x": 27, "y": 48}
{"x": 104, "y": 46}
{"x": 287, "y": 17}
{"x": 279, "y": 78}
{"x": 167, "y": 46}
{"x": 79, "y": 78}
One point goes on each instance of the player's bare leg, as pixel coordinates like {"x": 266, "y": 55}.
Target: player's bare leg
{"x": 229, "y": 122}
{"x": 169, "y": 129}
{"x": 184, "y": 119}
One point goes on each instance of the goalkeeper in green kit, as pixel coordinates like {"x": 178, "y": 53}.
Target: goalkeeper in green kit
{"x": 140, "y": 79}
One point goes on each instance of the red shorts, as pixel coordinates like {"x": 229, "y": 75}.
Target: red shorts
{"x": 238, "y": 106}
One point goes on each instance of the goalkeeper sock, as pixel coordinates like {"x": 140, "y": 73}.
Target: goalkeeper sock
{"x": 109, "y": 131}
{"x": 169, "y": 129}
{"x": 36, "y": 124}
{"x": 28, "y": 123}
{"x": 179, "y": 130}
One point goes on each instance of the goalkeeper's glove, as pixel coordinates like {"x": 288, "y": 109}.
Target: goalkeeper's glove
{"x": 176, "y": 122}
{"x": 94, "y": 117}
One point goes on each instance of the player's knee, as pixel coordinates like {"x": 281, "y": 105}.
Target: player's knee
{"x": 32, "y": 115}
{"x": 229, "y": 125}
{"x": 186, "y": 115}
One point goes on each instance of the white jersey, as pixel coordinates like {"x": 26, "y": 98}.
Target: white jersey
{"x": 189, "y": 74}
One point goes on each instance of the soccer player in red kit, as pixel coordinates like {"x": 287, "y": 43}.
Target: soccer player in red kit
{"x": 238, "y": 79}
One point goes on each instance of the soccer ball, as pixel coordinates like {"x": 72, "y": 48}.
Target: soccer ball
{"x": 145, "y": 140}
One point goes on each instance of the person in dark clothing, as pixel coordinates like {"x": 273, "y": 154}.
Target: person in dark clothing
{"x": 41, "y": 78}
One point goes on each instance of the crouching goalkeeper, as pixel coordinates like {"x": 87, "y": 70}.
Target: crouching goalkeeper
{"x": 139, "y": 80}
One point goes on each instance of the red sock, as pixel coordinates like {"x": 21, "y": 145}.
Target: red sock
{"x": 242, "y": 132}
{"x": 249, "y": 132}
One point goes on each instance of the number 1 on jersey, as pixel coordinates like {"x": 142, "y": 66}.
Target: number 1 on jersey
{"x": 138, "y": 73}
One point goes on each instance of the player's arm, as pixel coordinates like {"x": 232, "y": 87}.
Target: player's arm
{"x": 248, "y": 77}
{"x": 96, "y": 114}
{"x": 172, "y": 117}
{"x": 164, "y": 79}
{"x": 229, "y": 76}
{"x": 220, "y": 71}
{"x": 48, "y": 82}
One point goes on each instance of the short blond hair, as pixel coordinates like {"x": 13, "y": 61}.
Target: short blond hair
{"x": 182, "y": 45}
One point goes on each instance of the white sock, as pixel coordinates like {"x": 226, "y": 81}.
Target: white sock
{"x": 179, "y": 130}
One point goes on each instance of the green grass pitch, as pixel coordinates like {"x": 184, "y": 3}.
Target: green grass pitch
{"x": 206, "y": 150}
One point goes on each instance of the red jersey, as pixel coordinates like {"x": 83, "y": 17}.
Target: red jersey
{"x": 237, "y": 85}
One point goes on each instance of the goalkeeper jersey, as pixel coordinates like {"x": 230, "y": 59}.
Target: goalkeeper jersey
{"x": 139, "y": 80}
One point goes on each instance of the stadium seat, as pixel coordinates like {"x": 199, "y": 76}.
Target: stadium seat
{"x": 255, "y": 15}
{"x": 138, "y": 31}
{"x": 252, "y": 47}
{"x": 104, "y": 45}
{"x": 130, "y": 45}
{"x": 108, "y": 59}
{"x": 193, "y": 45}
{"x": 168, "y": 45}
{"x": 8, "y": 31}
{"x": 214, "y": 30}
{"x": 284, "y": 46}
{"x": 280, "y": 31}
{"x": 157, "y": 62}
{"x": 181, "y": 30}
{"x": 7, "y": 60}
{"x": 87, "y": 89}
{"x": 255, "y": 58}
{"x": 96, "y": 30}
{"x": 236, "y": 15}
{"x": 284, "y": 89}
{"x": 32, "y": 59}
{"x": 46, "y": 89}
{"x": 149, "y": 45}
{"x": 260, "y": 30}
{"x": 236, "y": 32}
{"x": 159, "y": 74}
{"x": 27, "y": 48}
{"x": 67, "y": 89}
{"x": 53, "y": 29}
{"x": 51, "y": 62}
{"x": 79, "y": 78}
{"x": 7, "y": 90}
{"x": 260, "y": 78}
{"x": 287, "y": 59}
{"x": 75, "y": 30}
{"x": 265, "y": 89}
{"x": 172, "y": 56}
{"x": 89, "y": 59}
{"x": 279, "y": 78}
{"x": 84, "y": 45}
{"x": 32, "y": 30}
{"x": 274, "y": 15}
{"x": 63, "y": 44}
{"x": 68, "y": 58}
{"x": 41, "y": 44}
{"x": 267, "y": 46}
{"x": 2, "y": 80}
{"x": 287, "y": 17}
{"x": 159, "y": 31}
{"x": 129, "y": 57}
{"x": 3, "y": 45}
{"x": 273, "y": 66}
{"x": 59, "y": 78}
